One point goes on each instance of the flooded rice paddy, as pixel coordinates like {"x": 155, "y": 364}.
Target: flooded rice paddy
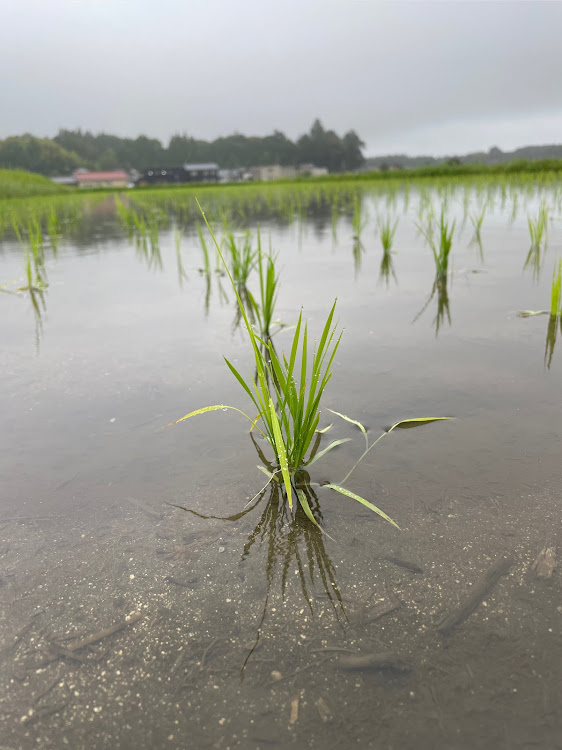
{"x": 129, "y": 622}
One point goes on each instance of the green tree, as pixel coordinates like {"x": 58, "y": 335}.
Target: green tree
{"x": 74, "y": 148}
{"x": 40, "y": 155}
{"x": 352, "y": 151}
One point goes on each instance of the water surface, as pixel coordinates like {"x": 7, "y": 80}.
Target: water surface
{"x": 236, "y": 615}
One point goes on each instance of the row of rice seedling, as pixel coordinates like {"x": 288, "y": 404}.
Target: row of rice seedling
{"x": 145, "y": 213}
{"x": 143, "y": 227}
{"x": 244, "y": 205}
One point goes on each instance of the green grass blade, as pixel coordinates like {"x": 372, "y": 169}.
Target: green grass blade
{"x": 304, "y": 359}
{"x": 352, "y": 421}
{"x": 362, "y": 500}
{"x": 406, "y": 424}
{"x": 215, "y": 407}
{"x": 329, "y": 448}
{"x": 269, "y": 474}
{"x": 241, "y": 380}
{"x": 281, "y": 452}
{"x": 296, "y": 338}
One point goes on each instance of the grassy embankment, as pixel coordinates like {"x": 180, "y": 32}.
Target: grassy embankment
{"x": 17, "y": 183}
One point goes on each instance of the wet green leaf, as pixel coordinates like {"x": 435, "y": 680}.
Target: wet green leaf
{"x": 406, "y": 424}
{"x": 329, "y": 448}
{"x": 353, "y": 496}
{"x": 281, "y": 452}
{"x": 531, "y": 313}
{"x": 215, "y": 407}
{"x": 352, "y": 421}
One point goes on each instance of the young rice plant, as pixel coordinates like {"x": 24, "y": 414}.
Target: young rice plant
{"x": 286, "y": 393}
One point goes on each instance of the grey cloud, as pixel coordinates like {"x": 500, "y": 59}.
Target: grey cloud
{"x": 396, "y": 72}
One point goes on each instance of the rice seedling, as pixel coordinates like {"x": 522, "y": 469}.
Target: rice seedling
{"x": 555, "y": 318}
{"x": 514, "y": 207}
{"x": 182, "y": 274}
{"x": 144, "y": 229}
{"x": 391, "y": 198}
{"x": 335, "y": 215}
{"x": 538, "y": 227}
{"x": 556, "y": 292}
{"x": 387, "y": 230}
{"x": 35, "y": 274}
{"x": 203, "y": 242}
{"x": 34, "y": 265}
{"x": 242, "y": 258}
{"x": 128, "y": 218}
{"x": 287, "y": 392}
{"x": 440, "y": 247}
{"x": 154, "y": 257}
{"x": 269, "y": 289}
{"x": 477, "y": 219}
{"x": 465, "y": 204}
{"x": 53, "y": 230}
{"x": 359, "y": 221}
{"x": 406, "y": 203}
{"x": 426, "y": 212}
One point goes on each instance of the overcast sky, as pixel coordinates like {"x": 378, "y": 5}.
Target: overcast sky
{"x": 415, "y": 77}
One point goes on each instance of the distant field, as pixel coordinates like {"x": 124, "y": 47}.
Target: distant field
{"x": 17, "y": 183}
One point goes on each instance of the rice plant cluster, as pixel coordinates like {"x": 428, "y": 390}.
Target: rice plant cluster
{"x": 286, "y": 393}
{"x": 440, "y": 239}
{"x": 538, "y": 227}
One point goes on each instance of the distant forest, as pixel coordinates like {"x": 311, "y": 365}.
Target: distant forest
{"x": 71, "y": 149}
{"x": 492, "y": 157}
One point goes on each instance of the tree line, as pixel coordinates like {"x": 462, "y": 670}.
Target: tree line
{"x": 71, "y": 149}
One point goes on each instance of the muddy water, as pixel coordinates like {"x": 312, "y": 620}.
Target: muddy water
{"x": 246, "y": 624}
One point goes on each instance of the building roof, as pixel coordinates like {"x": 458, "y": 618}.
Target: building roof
{"x": 116, "y": 175}
{"x": 200, "y": 167}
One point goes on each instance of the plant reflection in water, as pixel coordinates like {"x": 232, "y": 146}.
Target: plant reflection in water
{"x": 291, "y": 543}
{"x": 554, "y": 322}
{"x": 441, "y": 291}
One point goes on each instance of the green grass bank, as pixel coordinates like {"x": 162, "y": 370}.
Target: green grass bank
{"x": 17, "y": 183}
